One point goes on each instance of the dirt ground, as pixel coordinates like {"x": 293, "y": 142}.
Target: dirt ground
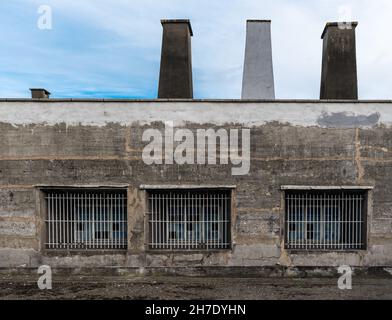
{"x": 171, "y": 287}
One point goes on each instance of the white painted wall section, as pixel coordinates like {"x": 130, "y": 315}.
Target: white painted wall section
{"x": 247, "y": 114}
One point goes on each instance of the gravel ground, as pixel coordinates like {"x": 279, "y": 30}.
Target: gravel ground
{"x": 164, "y": 287}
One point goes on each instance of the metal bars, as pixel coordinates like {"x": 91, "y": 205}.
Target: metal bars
{"x": 325, "y": 220}
{"x": 92, "y": 219}
{"x": 189, "y": 219}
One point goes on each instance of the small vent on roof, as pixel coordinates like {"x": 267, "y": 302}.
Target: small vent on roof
{"x": 38, "y": 93}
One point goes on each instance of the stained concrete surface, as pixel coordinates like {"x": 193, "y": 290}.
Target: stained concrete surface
{"x": 173, "y": 288}
{"x": 343, "y": 120}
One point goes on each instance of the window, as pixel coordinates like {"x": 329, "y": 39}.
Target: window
{"x": 189, "y": 219}
{"x": 325, "y": 220}
{"x": 89, "y": 219}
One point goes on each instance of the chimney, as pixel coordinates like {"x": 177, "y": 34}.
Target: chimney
{"x": 258, "y": 76}
{"x": 339, "y": 66}
{"x": 39, "y": 94}
{"x": 175, "y": 79}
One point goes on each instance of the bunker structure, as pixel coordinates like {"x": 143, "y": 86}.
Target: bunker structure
{"x": 81, "y": 184}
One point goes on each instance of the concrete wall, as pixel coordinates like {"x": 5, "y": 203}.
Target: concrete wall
{"x": 89, "y": 143}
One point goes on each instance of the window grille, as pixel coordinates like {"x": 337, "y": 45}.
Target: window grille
{"x": 324, "y": 220}
{"x": 86, "y": 219}
{"x": 189, "y": 220}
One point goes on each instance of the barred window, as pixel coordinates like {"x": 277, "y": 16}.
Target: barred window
{"x": 189, "y": 219}
{"x": 86, "y": 219}
{"x": 325, "y": 220}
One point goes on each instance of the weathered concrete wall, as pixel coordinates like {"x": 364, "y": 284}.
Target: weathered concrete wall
{"x": 64, "y": 143}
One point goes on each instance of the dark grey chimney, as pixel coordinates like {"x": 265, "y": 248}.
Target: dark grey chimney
{"x": 339, "y": 66}
{"x": 39, "y": 94}
{"x": 175, "y": 79}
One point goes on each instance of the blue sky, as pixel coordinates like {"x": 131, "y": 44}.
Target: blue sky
{"x": 111, "y": 49}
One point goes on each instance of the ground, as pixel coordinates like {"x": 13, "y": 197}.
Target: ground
{"x": 172, "y": 287}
